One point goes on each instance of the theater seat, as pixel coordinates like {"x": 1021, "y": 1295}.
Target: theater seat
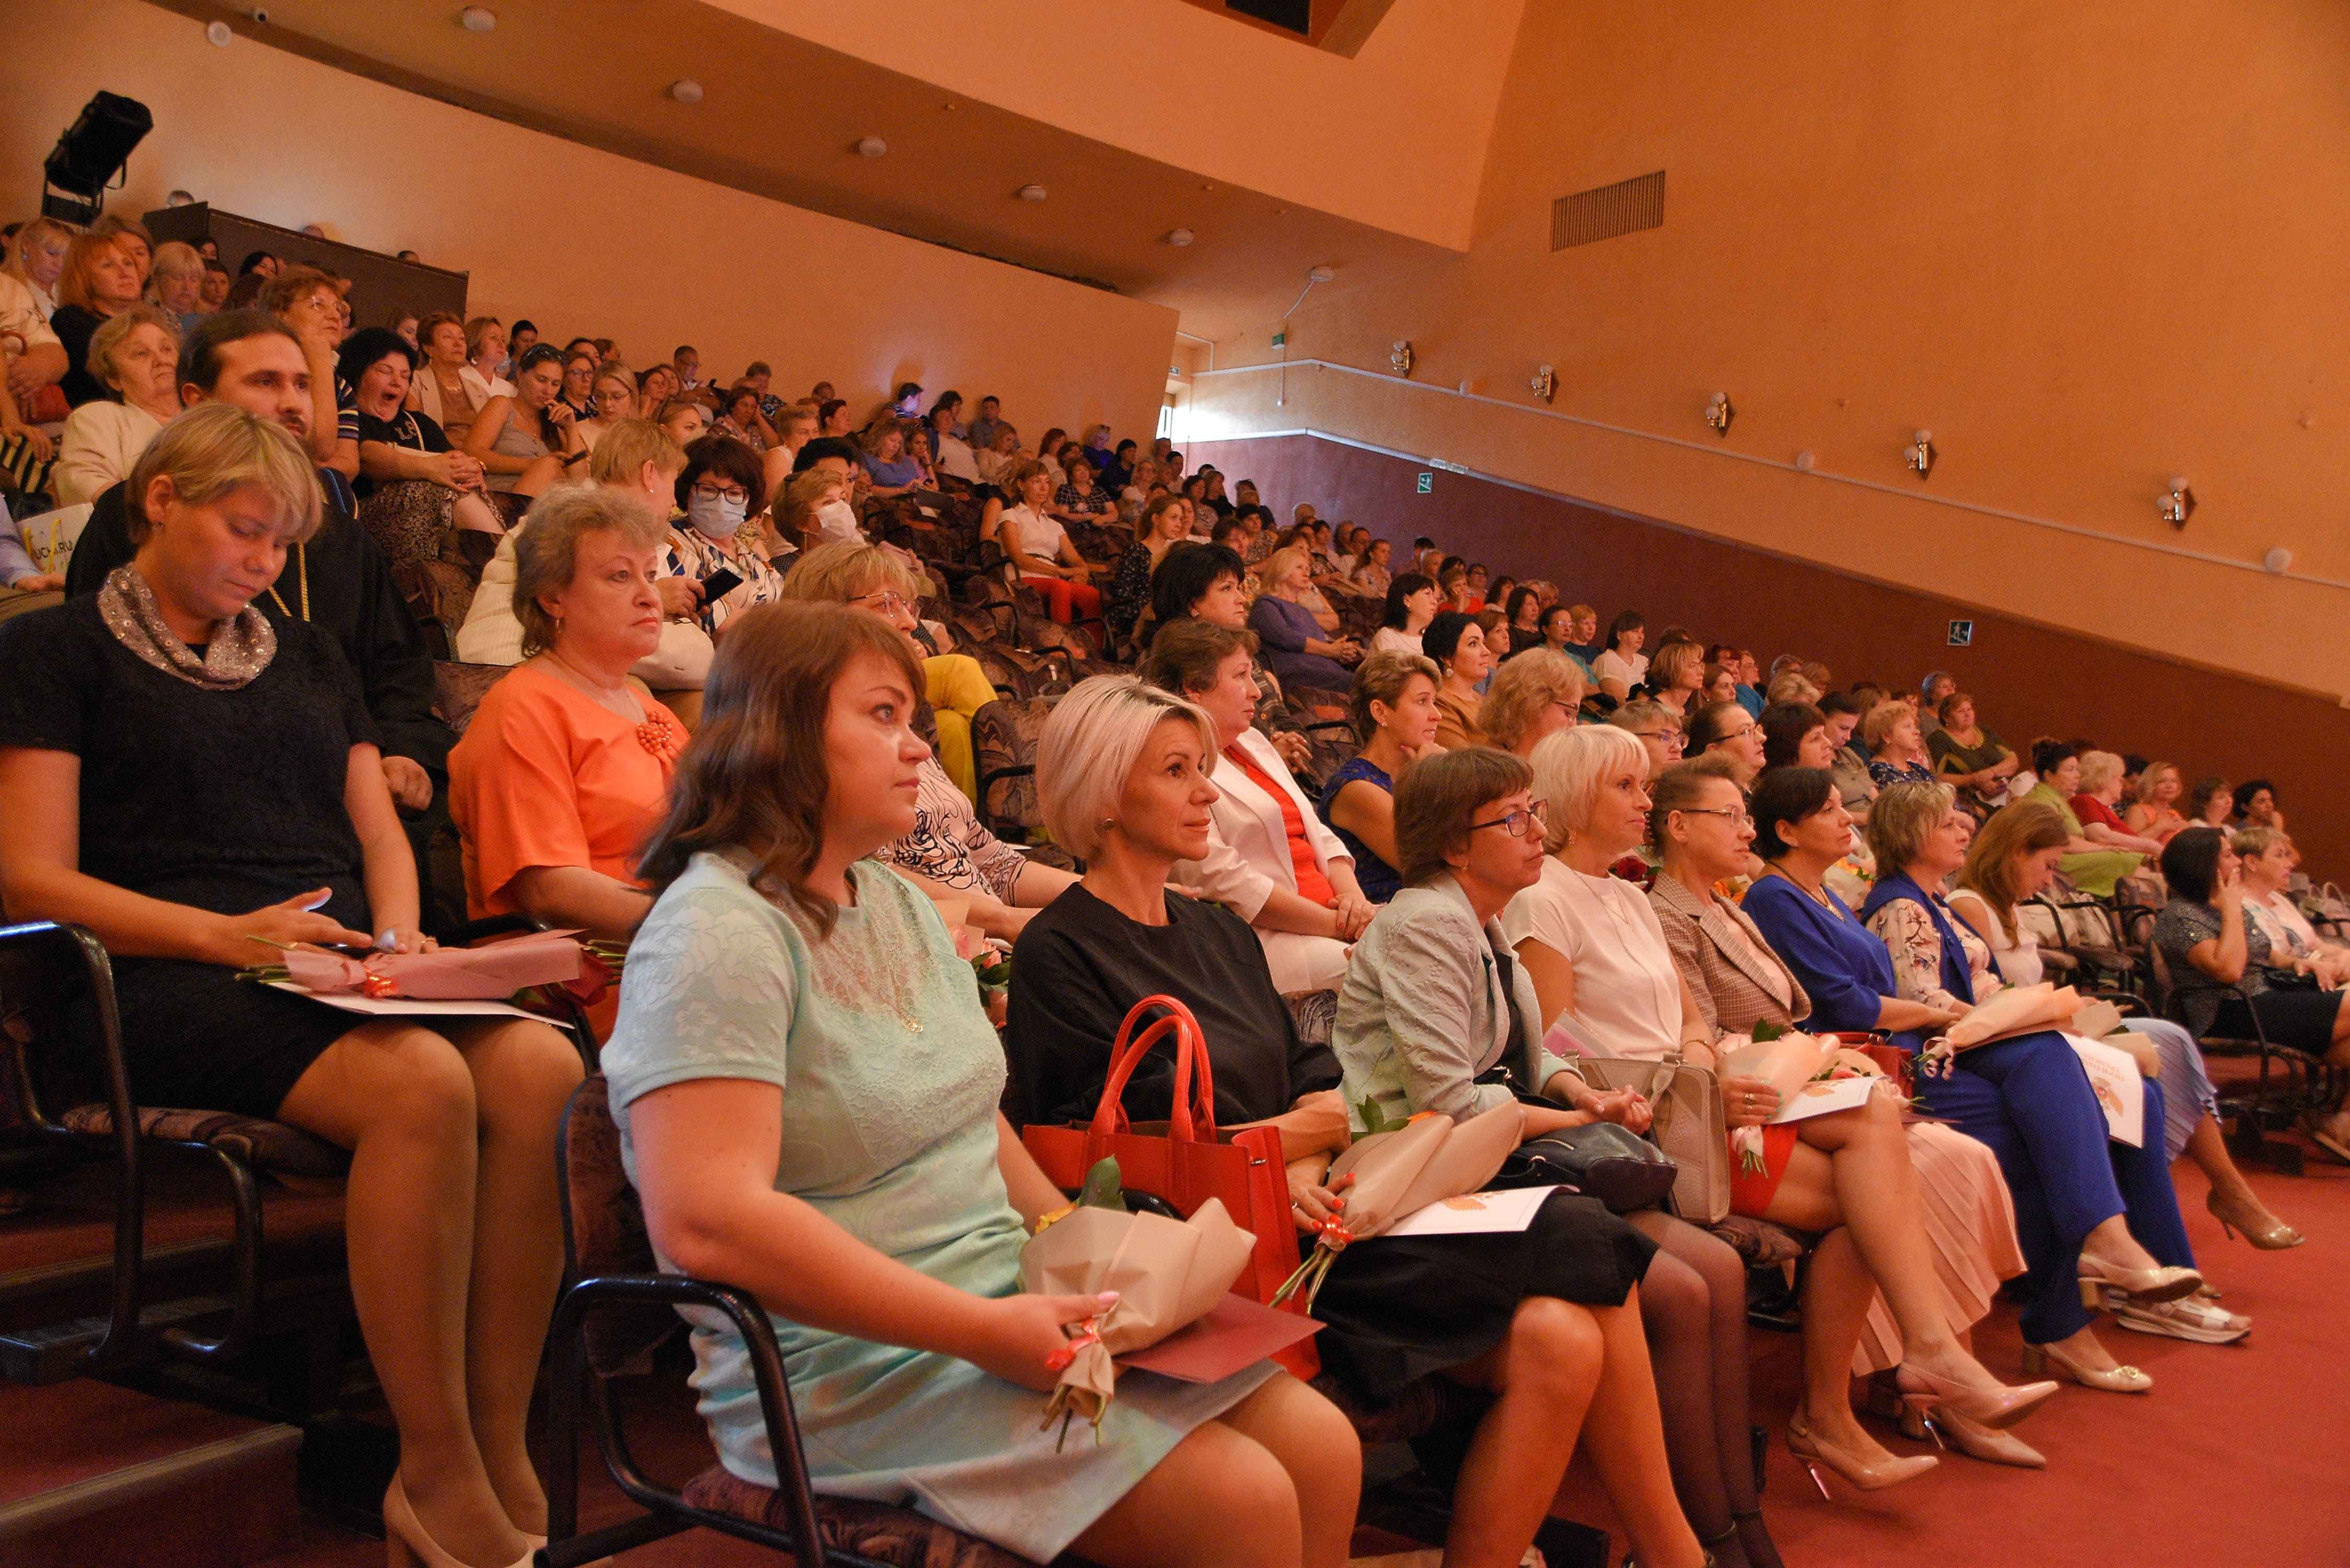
{"x": 271, "y": 1147}
{"x": 618, "y": 1312}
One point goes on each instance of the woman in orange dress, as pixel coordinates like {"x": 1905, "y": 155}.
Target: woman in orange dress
{"x": 566, "y": 768}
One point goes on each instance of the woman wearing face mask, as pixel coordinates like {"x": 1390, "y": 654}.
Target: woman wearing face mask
{"x": 1458, "y": 643}
{"x": 708, "y": 534}
{"x": 816, "y": 510}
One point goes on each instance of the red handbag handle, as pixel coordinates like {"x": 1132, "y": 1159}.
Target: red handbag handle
{"x": 1195, "y": 1089}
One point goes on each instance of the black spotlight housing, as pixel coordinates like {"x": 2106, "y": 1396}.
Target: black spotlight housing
{"x": 91, "y": 155}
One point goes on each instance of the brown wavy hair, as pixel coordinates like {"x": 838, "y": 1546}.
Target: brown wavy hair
{"x": 753, "y": 776}
{"x": 2027, "y": 828}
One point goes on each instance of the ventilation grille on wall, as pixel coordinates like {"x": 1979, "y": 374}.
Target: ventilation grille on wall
{"x": 1607, "y": 211}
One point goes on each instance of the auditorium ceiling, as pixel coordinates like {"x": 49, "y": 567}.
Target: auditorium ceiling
{"x": 781, "y": 116}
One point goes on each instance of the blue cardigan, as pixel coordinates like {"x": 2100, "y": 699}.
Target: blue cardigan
{"x": 1843, "y": 966}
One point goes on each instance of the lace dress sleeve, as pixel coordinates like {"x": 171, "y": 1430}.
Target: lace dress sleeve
{"x": 1908, "y": 934}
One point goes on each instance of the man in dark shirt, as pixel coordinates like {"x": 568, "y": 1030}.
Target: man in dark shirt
{"x": 338, "y": 580}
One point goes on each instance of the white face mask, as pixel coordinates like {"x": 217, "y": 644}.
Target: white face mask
{"x": 837, "y": 519}
{"x": 715, "y": 516}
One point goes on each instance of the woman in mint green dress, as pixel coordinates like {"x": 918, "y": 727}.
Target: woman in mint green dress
{"x": 807, "y": 1088}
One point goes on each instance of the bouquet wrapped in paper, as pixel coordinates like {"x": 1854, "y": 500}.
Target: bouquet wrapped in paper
{"x": 2018, "y": 1010}
{"x": 490, "y": 972}
{"x": 1168, "y": 1274}
{"x": 1786, "y": 1062}
{"x": 1397, "y": 1173}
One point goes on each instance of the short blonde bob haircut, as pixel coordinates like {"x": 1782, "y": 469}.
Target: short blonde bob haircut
{"x": 177, "y": 258}
{"x": 1571, "y": 766}
{"x": 2149, "y": 779}
{"x": 1090, "y": 743}
{"x": 1900, "y": 820}
{"x": 546, "y": 547}
{"x": 215, "y": 448}
{"x": 1670, "y": 662}
{"x": 1790, "y": 687}
{"x": 2099, "y": 769}
{"x": 840, "y": 570}
{"x": 1522, "y": 688}
{"x": 111, "y": 332}
{"x": 624, "y": 449}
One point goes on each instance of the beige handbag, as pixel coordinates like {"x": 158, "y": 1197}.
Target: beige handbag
{"x": 1688, "y": 1127}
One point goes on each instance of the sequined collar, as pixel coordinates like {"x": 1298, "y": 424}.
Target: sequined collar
{"x": 240, "y": 649}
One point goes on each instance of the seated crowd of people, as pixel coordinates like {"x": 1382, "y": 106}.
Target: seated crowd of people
{"x": 737, "y": 649}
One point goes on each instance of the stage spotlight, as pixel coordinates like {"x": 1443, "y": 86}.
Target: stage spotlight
{"x": 91, "y": 156}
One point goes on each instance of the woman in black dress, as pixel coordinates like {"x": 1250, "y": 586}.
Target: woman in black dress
{"x": 1548, "y": 1321}
{"x": 192, "y": 782}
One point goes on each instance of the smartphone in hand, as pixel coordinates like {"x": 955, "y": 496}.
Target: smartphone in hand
{"x": 719, "y": 584}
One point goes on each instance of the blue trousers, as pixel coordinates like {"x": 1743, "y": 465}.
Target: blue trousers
{"x": 2029, "y": 1099}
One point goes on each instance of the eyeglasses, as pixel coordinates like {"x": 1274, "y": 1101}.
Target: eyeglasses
{"x": 727, "y": 492}
{"x": 1737, "y": 814}
{"x": 1673, "y": 740}
{"x": 1516, "y": 823}
{"x": 1734, "y": 734}
{"x": 888, "y": 601}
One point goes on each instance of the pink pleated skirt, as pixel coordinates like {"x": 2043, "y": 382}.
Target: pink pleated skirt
{"x": 1971, "y": 1223}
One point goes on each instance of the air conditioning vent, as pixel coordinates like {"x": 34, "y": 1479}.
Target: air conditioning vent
{"x": 1607, "y": 211}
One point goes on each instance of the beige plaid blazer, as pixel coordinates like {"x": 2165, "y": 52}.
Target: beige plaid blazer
{"x": 1728, "y": 978}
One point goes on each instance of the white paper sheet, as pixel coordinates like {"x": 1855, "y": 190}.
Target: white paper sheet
{"x": 2120, "y": 1091}
{"x": 410, "y": 1007}
{"x": 1471, "y": 1214}
{"x": 1824, "y": 1096}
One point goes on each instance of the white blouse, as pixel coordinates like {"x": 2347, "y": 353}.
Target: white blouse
{"x": 1628, "y": 992}
{"x": 1395, "y": 639}
{"x": 1613, "y": 665}
{"x": 102, "y": 442}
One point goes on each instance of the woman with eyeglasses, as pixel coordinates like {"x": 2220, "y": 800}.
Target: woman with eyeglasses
{"x": 1659, "y": 732}
{"x": 1726, "y": 728}
{"x": 1434, "y": 1016}
{"x": 1703, "y": 835}
{"x": 1532, "y": 697}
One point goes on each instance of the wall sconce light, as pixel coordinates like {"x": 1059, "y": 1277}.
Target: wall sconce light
{"x": 1546, "y": 383}
{"x": 1920, "y": 454}
{"x": 1401, "y": 357}
{"x": 2179, "y": 506}
{"x": 1719, "y": 414}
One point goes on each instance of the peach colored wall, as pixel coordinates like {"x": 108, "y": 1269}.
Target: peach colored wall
{"x": 2089, "y": 245}
{"x": 578, "y": 240}
{"x": 1394, "y": 137}
{"x": 2029, "y": 680}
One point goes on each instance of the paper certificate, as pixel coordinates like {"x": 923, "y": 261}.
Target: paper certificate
{"x": 1825, "y": 1095}
{"x": 1473, "y": 1214}
{"x": 413, "y": 1007}
{"x": 2120, "y": 1091}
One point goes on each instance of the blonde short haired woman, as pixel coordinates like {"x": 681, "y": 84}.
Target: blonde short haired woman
{"x": 1534, "y": 695}
{"x": 127, "y": 758}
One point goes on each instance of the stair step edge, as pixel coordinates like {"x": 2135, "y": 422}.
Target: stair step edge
{"x": 115, "y": 1488}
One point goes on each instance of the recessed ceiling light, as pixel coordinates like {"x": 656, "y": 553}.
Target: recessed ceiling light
{"x": 219, "y": 35}
{"x": 1032, "y": 193}
{"x": 478, "y": 19}
{"x": 1179, "y": 236}
{"x": 686, "y": 90}
{"x": 871, "y": 146}
{"x": 1322, "y": 273}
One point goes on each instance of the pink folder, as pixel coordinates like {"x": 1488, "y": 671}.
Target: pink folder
{"x": 1236, "y": 1332}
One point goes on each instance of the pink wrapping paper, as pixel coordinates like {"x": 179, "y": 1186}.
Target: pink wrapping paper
{"x": 487, "y": 973}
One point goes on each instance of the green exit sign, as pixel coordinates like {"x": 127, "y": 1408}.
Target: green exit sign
{"x": 1427, "y": 483}
{"x": 1280, "y": 339}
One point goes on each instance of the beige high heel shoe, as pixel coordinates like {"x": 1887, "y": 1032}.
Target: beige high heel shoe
{"x": 406, "y": 1543}
{"x": 1816, "y": 1451}
{"x": 2038, "y": 1358}
{"x": 2098, "y": 1276}
{"x": 2260, "y": 1228}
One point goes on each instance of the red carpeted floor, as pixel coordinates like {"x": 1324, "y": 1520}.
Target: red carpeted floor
{"x": 2239, "y": 1456}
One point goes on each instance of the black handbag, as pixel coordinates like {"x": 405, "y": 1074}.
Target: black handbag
{"x": 1600, "y": 1160}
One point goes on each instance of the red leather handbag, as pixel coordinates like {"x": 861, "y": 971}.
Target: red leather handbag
{"x": 1891, "y": 1060}
{"x": 1186, "y": 1160}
